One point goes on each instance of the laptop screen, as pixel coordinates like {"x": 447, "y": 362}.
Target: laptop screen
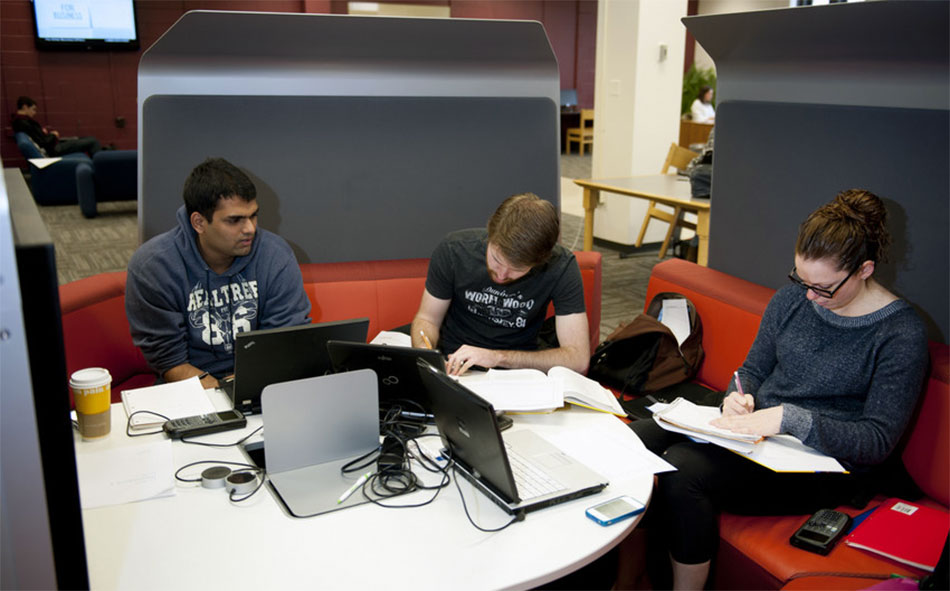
{"x": 265, "y": 357}
{"x": 395, "y": 367}
{"x": 469, "y": 430}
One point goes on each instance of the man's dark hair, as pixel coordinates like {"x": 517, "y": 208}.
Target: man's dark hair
{"x": 24, "y": 101}
{"x": 525, "y": 228}
{"x": 213, "y": 180}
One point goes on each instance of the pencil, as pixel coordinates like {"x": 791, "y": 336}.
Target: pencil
{"x": 425, "y": 339}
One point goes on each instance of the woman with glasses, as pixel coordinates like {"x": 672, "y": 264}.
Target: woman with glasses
{"x": 838, "y": 362}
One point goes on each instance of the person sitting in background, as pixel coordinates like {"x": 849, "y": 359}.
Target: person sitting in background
{"x": 191, "y": 289}
{"x": 24, "y": 120}
{"x": 702, "y": 110}
{"x": 838, "y": 362}
{"x": 487, "y": 292}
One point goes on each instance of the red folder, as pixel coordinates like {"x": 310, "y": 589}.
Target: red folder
{"x": 903, "y": 531}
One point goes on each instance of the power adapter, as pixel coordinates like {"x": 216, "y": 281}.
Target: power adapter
{"x": 391, "y": 456}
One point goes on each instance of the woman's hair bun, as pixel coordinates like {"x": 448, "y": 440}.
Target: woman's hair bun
{"x": 851, "y": 229}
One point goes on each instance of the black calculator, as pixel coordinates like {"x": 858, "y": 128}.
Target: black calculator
{"x": 204, "y": 424}
{"x": 822, "y": 530}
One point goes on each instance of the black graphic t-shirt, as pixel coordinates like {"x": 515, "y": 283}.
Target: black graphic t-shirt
{"x": 491, "y": 315}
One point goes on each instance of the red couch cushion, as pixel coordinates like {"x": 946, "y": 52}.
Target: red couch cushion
{"x": 729, "y": 308}
{"x": 824, "y": 583}
{"x": 927, "y": 453}
{"x": 755, "y": 553}
{"x": 591, "y": 274}
{"x": 96, "y": 331}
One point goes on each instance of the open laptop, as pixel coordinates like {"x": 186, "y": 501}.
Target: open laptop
{"x": 395, "y": 367}
{"x": 521, "y": 472}
{"x": 264, "y": 357}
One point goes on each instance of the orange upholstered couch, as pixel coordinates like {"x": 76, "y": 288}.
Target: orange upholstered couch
{"x": 96, "y": 331}
{"x": 754, "y": 552}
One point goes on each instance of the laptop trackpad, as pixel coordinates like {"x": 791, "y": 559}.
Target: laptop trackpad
{"x": 551, "y": 461}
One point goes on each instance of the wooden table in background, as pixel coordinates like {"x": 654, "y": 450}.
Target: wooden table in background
{"x": 668, "y": 189}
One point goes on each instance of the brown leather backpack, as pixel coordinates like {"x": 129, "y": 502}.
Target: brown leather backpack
{"x": 642, "y": 356}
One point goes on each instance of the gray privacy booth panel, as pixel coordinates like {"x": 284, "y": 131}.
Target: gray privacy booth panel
{"x": 876, "y": 54}
{"x": 775, "y": 163}
{"x": 345, "y": 178}
{"x": 368, "y": 137}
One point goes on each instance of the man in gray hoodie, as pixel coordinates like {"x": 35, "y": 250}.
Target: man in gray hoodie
{"x": 191, "y": 289}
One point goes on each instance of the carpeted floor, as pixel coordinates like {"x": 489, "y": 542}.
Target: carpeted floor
{"x": 85, "y": 247}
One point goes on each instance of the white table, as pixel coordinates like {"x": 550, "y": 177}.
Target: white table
{"x": 197, "y": 539}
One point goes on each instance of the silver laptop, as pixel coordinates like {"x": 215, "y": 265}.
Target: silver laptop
{"x": 312, "y": 427}
{"x": 521, "y": 471}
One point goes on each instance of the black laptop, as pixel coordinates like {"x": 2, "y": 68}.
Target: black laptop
{"x": 265, "y": 357}
{"x": 520, "y": 472}
{"x": 395, "y": 367}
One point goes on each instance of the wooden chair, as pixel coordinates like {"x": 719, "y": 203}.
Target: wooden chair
{"x": 677, "y": 157}
{"x": 583, "y": 135}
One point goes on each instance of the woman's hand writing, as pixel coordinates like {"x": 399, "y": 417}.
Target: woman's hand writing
{"x": 737, "y": 404}
{"x": 761, "y": 422}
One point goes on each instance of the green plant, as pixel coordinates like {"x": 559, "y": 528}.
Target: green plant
{"x": 694, "y": 79}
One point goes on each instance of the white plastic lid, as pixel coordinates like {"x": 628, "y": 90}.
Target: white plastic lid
{"x": 90, "y": 377}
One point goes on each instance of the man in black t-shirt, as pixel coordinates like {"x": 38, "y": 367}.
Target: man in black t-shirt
{"x": 487, "y": 292}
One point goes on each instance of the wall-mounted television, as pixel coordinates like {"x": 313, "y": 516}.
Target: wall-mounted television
{"x": 85, "y": 24}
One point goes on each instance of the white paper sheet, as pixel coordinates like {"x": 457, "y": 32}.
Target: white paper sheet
{"x": 174, "y": 400}
{"x": 42, "y": 163}
{"x": 113, "y": 476}
{"x": 675, "y": 315}
{"x": 588, "y": 448}
{"x": 517, "y": 390}
{"x": 396, "y": 339}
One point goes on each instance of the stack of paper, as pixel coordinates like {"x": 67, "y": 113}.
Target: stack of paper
{"x": 695, "y": 420}
{"x": 174, "y": 400}
{"x": 781, "y": 453}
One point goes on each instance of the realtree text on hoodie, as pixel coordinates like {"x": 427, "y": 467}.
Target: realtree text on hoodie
{"x": 180, "y": 311}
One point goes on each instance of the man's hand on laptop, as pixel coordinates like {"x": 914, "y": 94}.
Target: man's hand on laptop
{"x": 467, "y": 356}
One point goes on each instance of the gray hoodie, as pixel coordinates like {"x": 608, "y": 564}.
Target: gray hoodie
{"x": 180, "y": 311}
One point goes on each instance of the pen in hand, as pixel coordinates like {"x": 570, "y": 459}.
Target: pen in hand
{"x": 425, "y": 339}
{"x": 746, "y": 399}
{"x": 359, "y": 482}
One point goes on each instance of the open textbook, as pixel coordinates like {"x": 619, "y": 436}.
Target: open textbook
{"x": 781, "y": 453}
{"x": 531, "y": 390}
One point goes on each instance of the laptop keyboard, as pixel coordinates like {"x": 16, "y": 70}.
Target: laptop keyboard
{"x": 531, "y": 480}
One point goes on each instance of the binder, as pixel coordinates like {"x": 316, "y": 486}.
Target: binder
{"x": 903, "y": 531}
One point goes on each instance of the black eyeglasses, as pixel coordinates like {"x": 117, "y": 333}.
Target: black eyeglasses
{"x": 793, "y": 276}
